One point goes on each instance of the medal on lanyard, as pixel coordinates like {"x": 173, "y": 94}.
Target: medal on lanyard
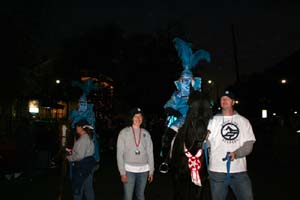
{"x": 137, "y": 144}
{"x": 137, "y": 152}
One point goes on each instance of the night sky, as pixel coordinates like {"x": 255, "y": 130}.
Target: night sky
{"x": 267, "y": 31}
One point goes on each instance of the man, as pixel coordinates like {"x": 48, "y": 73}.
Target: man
{"x": 231, "y": 139}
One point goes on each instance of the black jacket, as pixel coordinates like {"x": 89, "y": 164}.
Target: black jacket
{"x": 81, "y": 170}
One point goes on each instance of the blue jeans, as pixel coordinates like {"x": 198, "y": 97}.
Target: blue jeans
{"x": 87, "y": 189}
{"x": 136, "y": 184}
{"x": 240, "y": 184}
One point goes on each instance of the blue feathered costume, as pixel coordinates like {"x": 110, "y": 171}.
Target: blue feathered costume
{"x": 176, "y": 107}
{"x": 85, "y": 111}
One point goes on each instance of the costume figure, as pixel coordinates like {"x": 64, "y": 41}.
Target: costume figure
{"x": 85, "y": 111}
{"x": 176, "y": 107}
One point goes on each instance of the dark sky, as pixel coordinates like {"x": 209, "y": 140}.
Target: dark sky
{"x": 267, "y": 30}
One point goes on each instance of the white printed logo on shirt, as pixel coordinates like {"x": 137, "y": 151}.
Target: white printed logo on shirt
{"x": 230, "y": 132}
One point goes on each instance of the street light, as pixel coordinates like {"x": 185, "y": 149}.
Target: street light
{"x": 209, "y": 81}
{"x": 283, "y": 81}
{"x": 57, "y": 81}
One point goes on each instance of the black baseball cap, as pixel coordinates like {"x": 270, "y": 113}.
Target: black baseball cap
{"x": 229, "y": 94}
{"x": 134, "y": 111}
{"x": 82, "y": 122}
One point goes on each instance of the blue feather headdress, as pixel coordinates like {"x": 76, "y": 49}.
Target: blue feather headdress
{"x": 86, "y": 87}
{"x": 188, "y": 58}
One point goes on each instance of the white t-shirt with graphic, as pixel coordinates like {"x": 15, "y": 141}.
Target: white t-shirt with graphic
{"x": 228, "y": 133}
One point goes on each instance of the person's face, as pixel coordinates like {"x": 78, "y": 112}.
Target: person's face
{"x": 79, "y": 130}
{"x": 137, "y": 119}
{"x": 186, "y": 81}
{"x": 185, "y": 85}
{"x": 226, "y": 102}
{"x": 82, "y": 106}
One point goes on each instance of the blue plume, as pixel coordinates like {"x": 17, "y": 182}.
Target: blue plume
{"x": 77, "y": 84}
{"x": 86, "y": 87}
{"x": 184, "y": 52}
{"x": 200, "y": 55}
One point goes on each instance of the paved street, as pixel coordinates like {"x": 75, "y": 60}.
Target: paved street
{"x": 272, "y": 175}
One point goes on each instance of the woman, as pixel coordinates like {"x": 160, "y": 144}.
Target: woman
{"x": 135, "y": 157}
{"x": 83, "y": 161}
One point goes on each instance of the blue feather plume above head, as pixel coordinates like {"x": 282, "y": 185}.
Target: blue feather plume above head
{"x": 86, "y": 86}
{"x": 188, "y": 58}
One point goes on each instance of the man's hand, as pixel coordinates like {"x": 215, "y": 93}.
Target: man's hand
{"x": 232, "y": 156}
{"x": 124, "y": 178}
{"x": 150, "y": 178}
{"x": 207, "y": 134}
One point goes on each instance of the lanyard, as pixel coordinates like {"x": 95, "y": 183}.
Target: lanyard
{"x": 137, "y": 144}
{"x": 227, "y": 157}
{"x": 205, "y": 154}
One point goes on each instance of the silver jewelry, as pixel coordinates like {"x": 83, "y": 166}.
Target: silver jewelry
{"x": 137, "y": 152}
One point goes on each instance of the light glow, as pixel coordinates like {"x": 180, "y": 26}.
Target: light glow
{"x": 264, "y": 113}
{"x": 33, "y": 106}
{"x": 283, "y": 81}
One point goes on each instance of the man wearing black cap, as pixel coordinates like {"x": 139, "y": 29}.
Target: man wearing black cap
{"x": 230, "y": 140}
{"x": 135, "y": 157}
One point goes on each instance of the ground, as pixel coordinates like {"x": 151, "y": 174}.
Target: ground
{"x": 272, "y": 169}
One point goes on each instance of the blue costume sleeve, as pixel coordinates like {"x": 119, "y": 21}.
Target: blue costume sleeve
{"x": 197, "y": 83}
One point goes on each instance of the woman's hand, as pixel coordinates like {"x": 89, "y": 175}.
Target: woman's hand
{"x": 124, "y": 178}
{"x": 69, "y": 151}
{"x": 150, "y": 178}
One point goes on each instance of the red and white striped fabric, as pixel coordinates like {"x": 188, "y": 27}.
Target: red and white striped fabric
{"x": 194, "y": 164}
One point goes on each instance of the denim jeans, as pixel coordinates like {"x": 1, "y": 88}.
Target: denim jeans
{"x": 135, "y": 185}
{"x": 240, "y": 184}
{"x": 87, "y": 189}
